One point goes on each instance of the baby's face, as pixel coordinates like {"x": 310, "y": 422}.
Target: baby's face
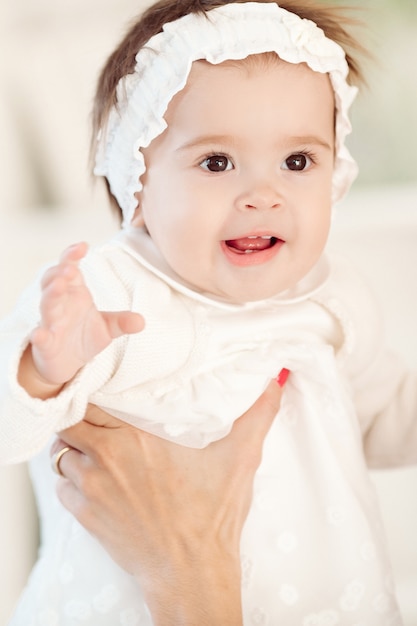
{"x": 237, "y": 191}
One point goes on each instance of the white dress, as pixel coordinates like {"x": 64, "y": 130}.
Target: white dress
{"x": 313, "y": 548}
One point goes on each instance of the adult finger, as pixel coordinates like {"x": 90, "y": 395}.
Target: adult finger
{"x": 56, "y": 446}
{"x": 73, "y": 499}
{"x": 63, "y": 457}
{"x": 255, "y": 423}
{"x": 79, "y": 437}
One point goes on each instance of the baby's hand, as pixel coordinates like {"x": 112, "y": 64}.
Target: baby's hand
{"x": 72, "y": 331}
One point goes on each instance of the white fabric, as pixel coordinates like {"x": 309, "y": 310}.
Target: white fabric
{"x": 313, "y": 548}
{"x": 233, "y": 31}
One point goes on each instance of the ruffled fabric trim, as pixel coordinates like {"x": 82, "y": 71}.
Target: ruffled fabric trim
{"x": 233, "y": 31}
{"x": 219, "y": 396}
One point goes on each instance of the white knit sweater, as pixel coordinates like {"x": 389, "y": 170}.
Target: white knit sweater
{"x": 312, "y": 548}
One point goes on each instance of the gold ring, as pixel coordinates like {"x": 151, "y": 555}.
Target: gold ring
{"x": 57, "y": 458}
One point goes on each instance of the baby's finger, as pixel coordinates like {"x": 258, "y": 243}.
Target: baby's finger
{"x": 50, "y": 275}
{"x": 66, "y": 271}
{"x": 55, "y": 288}
{"x": 68, "y": 258}
{"x": 60, "y": 277}
{"x": 40, "y": 337}
{"x": 123, "y": 322}
{"x": 74, "y": 253}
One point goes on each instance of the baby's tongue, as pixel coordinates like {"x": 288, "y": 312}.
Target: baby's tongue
{"x": 249, "y": 243}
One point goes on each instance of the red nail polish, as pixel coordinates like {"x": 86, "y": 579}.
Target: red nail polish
{"x": 282, "y": 376}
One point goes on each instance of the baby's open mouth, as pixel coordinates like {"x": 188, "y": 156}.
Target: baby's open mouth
{"x": 248, "y": 245}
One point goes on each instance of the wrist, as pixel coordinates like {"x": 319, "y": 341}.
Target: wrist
{"x": 32, "y": 381}
{"x": 203, "y": 593}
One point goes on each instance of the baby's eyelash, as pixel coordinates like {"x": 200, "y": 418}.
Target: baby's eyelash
{"x": 214, "y": 153}
{"x": 308, "y": 153}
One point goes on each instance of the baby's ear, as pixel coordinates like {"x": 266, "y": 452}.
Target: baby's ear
{"x": 137, "y": 219}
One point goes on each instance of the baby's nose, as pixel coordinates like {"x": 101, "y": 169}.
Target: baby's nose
{"x": 260, "y": 195}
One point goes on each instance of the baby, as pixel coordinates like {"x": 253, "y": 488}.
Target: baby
{"x": 221, "y": 138}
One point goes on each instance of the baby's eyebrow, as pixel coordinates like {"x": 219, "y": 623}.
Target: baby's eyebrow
{"x": 286, "y": 142}
{"x": 205, "y": 140}
{"x": 309, "y": 140}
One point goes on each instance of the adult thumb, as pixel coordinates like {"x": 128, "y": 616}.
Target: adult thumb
{"x": 257, "y": 420}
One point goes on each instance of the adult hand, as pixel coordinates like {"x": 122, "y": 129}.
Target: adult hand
{"x": 171, "y": 516}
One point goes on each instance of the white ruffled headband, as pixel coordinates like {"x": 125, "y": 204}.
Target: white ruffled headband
{"x": 232, "y": 31}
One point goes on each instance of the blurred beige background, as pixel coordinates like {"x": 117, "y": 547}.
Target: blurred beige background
{"x": 51, "y": 53}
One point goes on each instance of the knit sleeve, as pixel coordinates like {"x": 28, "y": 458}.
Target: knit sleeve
{"x": 384, "y": 389}
{"x": 27, "y": 423}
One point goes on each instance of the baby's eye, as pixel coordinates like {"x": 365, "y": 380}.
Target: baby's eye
{"x": 217, "y": 163}
{"x": 297, "y": 162}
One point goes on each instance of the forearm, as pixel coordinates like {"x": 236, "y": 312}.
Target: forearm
{"x": 206, "y": 593}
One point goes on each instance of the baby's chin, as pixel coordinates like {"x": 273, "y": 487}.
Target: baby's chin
{"x": 253, "y": 293}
